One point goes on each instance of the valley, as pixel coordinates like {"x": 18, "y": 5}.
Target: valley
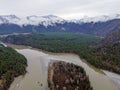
{"x": 85, "y": 45}
{"x": 37, "y": 71}
{"x": 99, "y": 26}
{"x": 59, "y": 45}
{"x": 92, "y": 45}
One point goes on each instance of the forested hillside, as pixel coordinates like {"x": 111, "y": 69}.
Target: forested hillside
{"x": 83, "y": 45}
{"x": 109, "y": 49}
{"x": 112, "y": 38}
{"x": 12, "y": 64}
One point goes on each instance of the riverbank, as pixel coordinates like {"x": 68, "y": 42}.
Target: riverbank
{"x": 96, "y": 76}
{"x": 38, "y": 67}
{"x": 80, "y": 44}
{"x": 114, "y": 77}
{"x": 16, "y": 83}
{"x": 12, "y": 65}
{"x": 36, "y": 72}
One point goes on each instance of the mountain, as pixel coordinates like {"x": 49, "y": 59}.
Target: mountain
{"x": 109, "y": 51}
{"x": 9, "y": 19}
{"x": 102, "y": 18}
{"x": 100, "y": 26}
{"x": 51, "y": 19}
{"x": 111, "y": 38}
{"x": 31, "y": 20}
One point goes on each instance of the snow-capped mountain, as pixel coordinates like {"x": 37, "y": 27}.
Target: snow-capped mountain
{"x": 9, "y": 19}
{"x": 102, "y": 18}
{"x": 44, "y": 20}
{"x": 51, "y": 20}
{"x": 100, "y": 25}
{"x": 31, "y": 20}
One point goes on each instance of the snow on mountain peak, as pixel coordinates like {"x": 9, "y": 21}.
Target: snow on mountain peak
{"x": 31, "y": 20}
{"x": 102, "y": 18}
{"x": 51, "y": 20}
{"x": 45, "y": 20}
{"x": 9, "y": 19}
{"x": 50, "y": 16}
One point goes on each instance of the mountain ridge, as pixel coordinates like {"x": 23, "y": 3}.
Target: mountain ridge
{"x": 53, "y": 19}
{"x": 48, "y": 20}
{"x": 112, "y": 38}
{"x": 50, "y": 23}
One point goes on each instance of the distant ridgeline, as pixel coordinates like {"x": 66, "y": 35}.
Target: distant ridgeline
{"x": 100, "y": 28}
{"x": 12, "y": 64}
{"x": 88, "y": 47}
{"x": 67, "y": 76}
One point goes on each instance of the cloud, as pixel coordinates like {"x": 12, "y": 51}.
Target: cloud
{"x": 63, "y": 8}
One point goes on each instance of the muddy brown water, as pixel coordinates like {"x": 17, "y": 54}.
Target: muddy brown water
{"x": 36, "y": 76}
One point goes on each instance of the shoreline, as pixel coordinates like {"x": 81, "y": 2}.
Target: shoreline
{"x": 4, "y": 85}
{"x": 20, "y": 47}
{"x": 50, "y": 75}
{"x": 114, "y": 77}
{"x": 59, "y": 55}
{"x": 16, "y": 82}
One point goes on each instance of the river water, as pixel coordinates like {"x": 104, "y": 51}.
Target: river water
{"x": 36, "y": 77}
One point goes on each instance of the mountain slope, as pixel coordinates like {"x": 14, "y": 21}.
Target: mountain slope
{"x": 9, "y": 19}
{"x": 111, "y": 38}
{"x": 102, "y": 18}
{"x": 109, "y": 50}
{"x": 50, "y": 23}
{"x": 31, "y": 20}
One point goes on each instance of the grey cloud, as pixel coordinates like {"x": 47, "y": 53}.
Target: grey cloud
{"x": 63, "y": 8}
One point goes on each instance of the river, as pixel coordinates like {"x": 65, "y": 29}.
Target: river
{"x": 38, "y": 66}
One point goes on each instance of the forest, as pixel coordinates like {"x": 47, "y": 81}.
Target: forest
{"x": 67, "y": 76}
{"x": 86, "y": 46}
{"x": 12, "y": 64}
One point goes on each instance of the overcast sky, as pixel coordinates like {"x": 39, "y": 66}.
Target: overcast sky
{"x": 64, "y": 8}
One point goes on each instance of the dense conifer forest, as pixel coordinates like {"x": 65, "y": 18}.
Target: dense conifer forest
{"x": 12, "y": 64}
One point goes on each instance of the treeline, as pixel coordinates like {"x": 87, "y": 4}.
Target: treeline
{"x": 55, "y": 42}
{"x": 12, "y": 64}
{"x": 83, "y": 45}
